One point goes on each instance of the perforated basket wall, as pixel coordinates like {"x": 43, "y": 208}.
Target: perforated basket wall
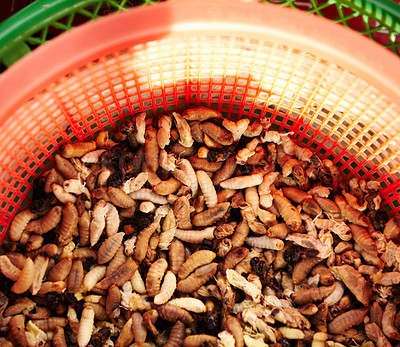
{"x": 243, "y": 67}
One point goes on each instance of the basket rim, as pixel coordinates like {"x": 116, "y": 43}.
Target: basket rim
{"x": 115, "y": 32}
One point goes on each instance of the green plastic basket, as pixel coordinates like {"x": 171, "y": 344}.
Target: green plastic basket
{"x": 45, "y": 19}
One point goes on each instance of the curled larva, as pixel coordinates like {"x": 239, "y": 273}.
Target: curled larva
{"x": 216, "y": 133}
{"x": 207, "y": 188}
{"x": 65, "y": 168}
{"x": 142, "y": 242}
{"x": 196, "y": 260}
{"x": 98, "y": 221}
{"x": 155, "y": 275}
{"x": 25, "y": 278}
{"x": 19, "y": 223}
{"x": 303, "y": 268}
{"x": 167, "y": 289}
{"x": 48, "y": 222}
{"x": 94, "y": 276}
{"x": 85, "y": 326}
{"x": 8, "y": 269}
{"x": 194, "y": 281}
{"x": 113, "y": 299}
{"x": 125, "y": 336}
{"x": 62, "y": 195}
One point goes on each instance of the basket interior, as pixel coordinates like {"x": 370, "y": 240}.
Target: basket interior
{"x": 329, "y": 109}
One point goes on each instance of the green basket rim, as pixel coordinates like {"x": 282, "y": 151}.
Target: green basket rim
{"x": 17, "y": 29}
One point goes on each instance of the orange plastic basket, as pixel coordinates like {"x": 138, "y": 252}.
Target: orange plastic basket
{"x": 336, "y": 90}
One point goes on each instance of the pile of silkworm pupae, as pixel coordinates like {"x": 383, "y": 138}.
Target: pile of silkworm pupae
{"x": 195, "y": 230}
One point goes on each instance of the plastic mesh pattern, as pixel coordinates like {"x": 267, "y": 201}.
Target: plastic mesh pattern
{"x": 379, "y": 20}
{"x": 330, "y": 110}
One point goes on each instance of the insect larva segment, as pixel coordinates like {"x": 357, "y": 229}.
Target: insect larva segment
{"x": 113, "y": 299}
{"x": 76, "y": 275}
{"x": 85, "y": 326}
{"x": 210, "y": 216}
{"x": 200, "y": 113}
{"x": 142, "y": 242}
{"x": 138, "y": 328}
{"x": 17, "y": 330}
{"x": 25, "y": 278}
{"x": 125, "y": 337}
{"x": 68, "y": 224}
{"x": 200, "y": 340}
{"x": 109, "y": 248}
{"x": 118, "y": 259}
{"x": 119, "y": 198}
{"x": 289, "y": 213}
{"x": 363, "y": 239}
{"x": 355, "y": 282}
{"x": 167, "y": 289}
{"x": 51, "y": 323}
{"x": 347, "y": 320}
{"x": 193, "y": 282}
{"x": 207, "y": 188}
{"x": 225, "y": 172}
{"x": 169, "y": 186}
{"x": 303, "y": 267}
{"x": 173, "y": 313}
{"x": 152, "y": 150}
{"x": 176, "y": 255}
{"x": 48, "y": 222}
{"x": 65, "y": 168}
{"x": 196, "y": 260}
{"x": 232, "y": 324}
{"x": 120, "y": 276}
{"x": 19, "y": 223}
{"x": 242, "y": 182}
{"x": 155, "y": 275}
{"x": 182, "y": 213}
{"x": 305, "y": 296}
{"x": 176, "y": 335}
{"x": 388, "y": 319}
{"x": 60, "y": 271}
{"x": 58, "y": 339}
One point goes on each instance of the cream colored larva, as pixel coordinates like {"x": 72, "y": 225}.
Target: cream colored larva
{"x": 86, "y": 326}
